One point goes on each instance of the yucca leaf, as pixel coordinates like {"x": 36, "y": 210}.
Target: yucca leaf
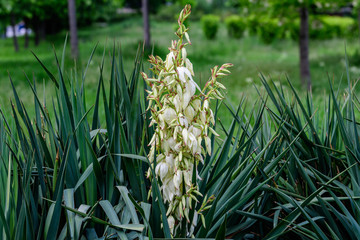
{"x": 220, "y": 235}
{"x": 295, "y": 213}
{"x": 51, "y": 76}
{"x": 69, "y": 201}
{"x": 144, "y": 211}
{"x": 124, "y": 193}
{"x": 54, "y": 216}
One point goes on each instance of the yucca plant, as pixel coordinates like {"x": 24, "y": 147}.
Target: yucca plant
{"x": 282, "y": 168}
{"x": 62, "y": 173}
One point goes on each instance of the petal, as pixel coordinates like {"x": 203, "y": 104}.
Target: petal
{"x": 189, "y": 113}
{"x": 171, "y": 222}
{"x": 179, "y": 90}
{"x": 181, "y": 73}
{"x": 208, "y": 145}
{"x": 190, "y": 86}
{"x": 206, "y": 104}
{"x": 189, "y": 66}
{"x": 170, "y": 58}
{"x": 177, "y": 179}
{"x": 163, "y": 170}
{"x": 196, "y": 104}
{"x": 177, "y": 103}
{"x": 183, "y": 53}
{"x": 185, "y": 135}
{"x": 186, "y": 99}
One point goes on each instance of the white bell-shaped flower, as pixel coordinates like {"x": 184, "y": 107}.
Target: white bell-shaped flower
{"x": 169, "y": 62}
{"x": 177, "y": 179}
{"x": 183, "y": 72}
{"x": 169, "y": 115}
{"x": 162, "y": 169}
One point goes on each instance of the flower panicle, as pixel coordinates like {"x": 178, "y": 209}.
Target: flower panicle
{"x": 182, "y": 118}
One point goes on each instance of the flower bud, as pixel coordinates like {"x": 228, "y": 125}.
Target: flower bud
{"x": 183, "y": 53}
{"x": 208, "y": 145}
{"x": 171, "y": 223}
{"x": 206, "y": 104}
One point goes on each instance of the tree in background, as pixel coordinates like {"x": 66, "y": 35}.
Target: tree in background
{"x": 73, "y": 29}
{"x": 356, "y": 11}
{"x": 9, "y": 15}
{"x": 44, "y": 17}
{"x": 146, "y": 9}
{"x": 137, "y": 4}
{"x": 51, "y": 16}
{"x": 289, "y": 10}
{"x": 301, "y": 9}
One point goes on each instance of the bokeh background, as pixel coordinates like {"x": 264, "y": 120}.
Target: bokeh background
{"x": 268, "y": 37}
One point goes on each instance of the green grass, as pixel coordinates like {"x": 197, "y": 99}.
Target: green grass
{"x": 249, "y": 56}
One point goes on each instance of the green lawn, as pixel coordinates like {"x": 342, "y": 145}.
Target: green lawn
{"x": 249, "y": 56}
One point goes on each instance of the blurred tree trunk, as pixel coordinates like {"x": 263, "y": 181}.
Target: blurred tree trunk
{"x": 35, "y": 24}
{"x": 304, "y": 48}
{"x": 145, "y": 12}
{"x": 3, "y": 27}
{"x": 26, "y": 44}
{"x": 42, "y": 30}
{"x": 13, "y": 23}
{"x": 37, "y": 37}
{"x": 358, "y": 17}
{"x": 73, "y": 29}
{"x": 39, "y": 30}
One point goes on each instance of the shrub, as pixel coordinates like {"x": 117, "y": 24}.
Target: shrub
{"x": 252, "y": 24}
{"x": 167, "y": 13}
{"x": 293, "y": 27}
{"x": 324, "y": 27}
{"x": 170, "y": 12}
{"x": 210, "y": 25}
{"x": 269, "y": 29}
{"x": 320, "y": 30}
{"x": 235, "y": 26}
{"x": 339, "y": 26}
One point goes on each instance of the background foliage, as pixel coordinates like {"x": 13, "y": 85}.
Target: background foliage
{"x": 69, "y": 173}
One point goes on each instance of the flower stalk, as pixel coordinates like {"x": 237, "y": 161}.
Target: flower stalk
{"x": 181, "y": 114}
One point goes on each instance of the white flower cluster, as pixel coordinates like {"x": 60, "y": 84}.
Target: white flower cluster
{"x": 182, "y": 119}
